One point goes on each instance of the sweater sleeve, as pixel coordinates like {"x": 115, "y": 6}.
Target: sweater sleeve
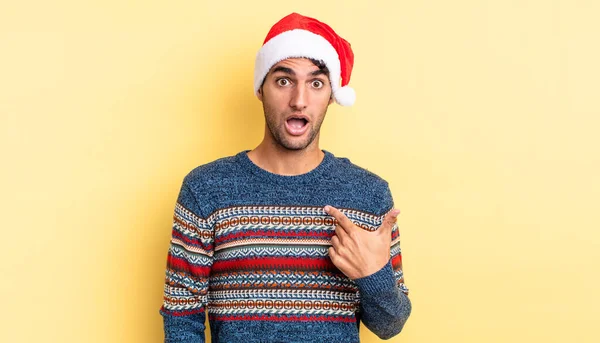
{"x": 384, "y": 303}
{"x": 189, "y": 260}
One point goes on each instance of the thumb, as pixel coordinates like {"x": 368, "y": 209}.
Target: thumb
{"x": 389, "y": 220}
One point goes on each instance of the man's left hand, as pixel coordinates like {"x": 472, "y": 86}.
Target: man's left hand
{"x": 358, "y": 252}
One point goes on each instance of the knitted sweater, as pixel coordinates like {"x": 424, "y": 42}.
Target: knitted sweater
{"x": 250, "y": 248}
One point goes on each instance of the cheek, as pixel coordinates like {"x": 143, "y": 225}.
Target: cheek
{"x": 323, "y": 94}
{"x": 323, "y": 98}
{"x": 272, "y": 110}
{"x": 274, "y": 98}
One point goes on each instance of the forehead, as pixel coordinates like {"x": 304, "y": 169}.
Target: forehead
{"x": 299, "y": 65}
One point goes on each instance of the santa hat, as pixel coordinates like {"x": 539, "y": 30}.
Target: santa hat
{"x": 298, "y": 36}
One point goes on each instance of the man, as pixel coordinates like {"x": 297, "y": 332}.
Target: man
{"x": 287, "y": 243}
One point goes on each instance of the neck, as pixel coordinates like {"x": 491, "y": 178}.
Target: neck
{"x": 279, "y": 160}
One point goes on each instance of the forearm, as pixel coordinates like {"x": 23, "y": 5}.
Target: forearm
{"x": 385, "y": 307}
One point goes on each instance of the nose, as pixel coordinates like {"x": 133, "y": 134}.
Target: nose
{"x": 299, "y": 98}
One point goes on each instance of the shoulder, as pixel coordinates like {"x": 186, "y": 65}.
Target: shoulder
{"x": 205, "y": 180}
{"x": 211, "y": 172}
{"x": 371, "y": 187}
{"x": 359, "y": 173}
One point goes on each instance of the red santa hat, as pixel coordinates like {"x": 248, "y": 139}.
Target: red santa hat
{"x": 299, "y": 36}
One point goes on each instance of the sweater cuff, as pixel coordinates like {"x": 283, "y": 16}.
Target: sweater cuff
{"x": 379, "y": 282}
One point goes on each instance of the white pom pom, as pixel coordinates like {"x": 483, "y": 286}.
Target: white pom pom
{"x": 345, "y": 96}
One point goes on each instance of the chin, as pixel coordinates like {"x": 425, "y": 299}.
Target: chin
{"x": 294, "y": 146}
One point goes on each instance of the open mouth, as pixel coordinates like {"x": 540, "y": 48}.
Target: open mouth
{"x": 297, "y": 123}
{"x": 296, "y": 126}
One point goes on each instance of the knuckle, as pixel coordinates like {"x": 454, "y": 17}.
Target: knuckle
{"x": 343, "y": 251}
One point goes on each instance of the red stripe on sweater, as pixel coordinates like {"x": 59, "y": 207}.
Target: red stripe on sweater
{"x": 303, "y": 263}
{"x": 397, "y": 261}
{"x": 184, "y": 265}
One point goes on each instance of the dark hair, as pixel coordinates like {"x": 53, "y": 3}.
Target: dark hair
{"x": 322, "y": 66}
{"x": 319, "y": 63}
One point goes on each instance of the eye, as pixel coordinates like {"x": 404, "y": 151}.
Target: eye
{"x": 318, "y": 83}
{"x": 283, "y": 82}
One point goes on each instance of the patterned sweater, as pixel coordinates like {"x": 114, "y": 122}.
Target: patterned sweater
{"x": 250, "y": 248}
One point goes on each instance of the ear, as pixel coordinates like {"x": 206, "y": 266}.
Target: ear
{"x": 331, "y": 99}
{"x": 259, "y": 94}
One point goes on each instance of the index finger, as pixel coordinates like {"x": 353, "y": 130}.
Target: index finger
{"x": 344, "y": 222}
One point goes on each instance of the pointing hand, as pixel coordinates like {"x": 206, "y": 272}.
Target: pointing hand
{"x": 358, "y": 252}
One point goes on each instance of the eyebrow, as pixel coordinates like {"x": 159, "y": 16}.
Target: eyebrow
{"x": 283, "y": 70}
{"x": 318, "y": 72}
{"x": 290, "y": 71}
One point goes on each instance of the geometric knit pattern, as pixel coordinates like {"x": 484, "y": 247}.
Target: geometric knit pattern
{"x": 264, "y": 263}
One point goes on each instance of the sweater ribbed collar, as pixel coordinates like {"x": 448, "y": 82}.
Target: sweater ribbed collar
{"x": 266, "y": 176}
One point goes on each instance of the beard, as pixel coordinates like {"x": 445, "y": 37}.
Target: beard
{"x": 276, "y": 125}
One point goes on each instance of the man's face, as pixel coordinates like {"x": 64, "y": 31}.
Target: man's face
{"x": 295, "y": 97}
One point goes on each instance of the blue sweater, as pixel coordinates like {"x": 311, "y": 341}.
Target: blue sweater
{"x": 249, "y": 248}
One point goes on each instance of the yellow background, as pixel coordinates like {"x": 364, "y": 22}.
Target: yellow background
{"x": 482, "y": 115}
